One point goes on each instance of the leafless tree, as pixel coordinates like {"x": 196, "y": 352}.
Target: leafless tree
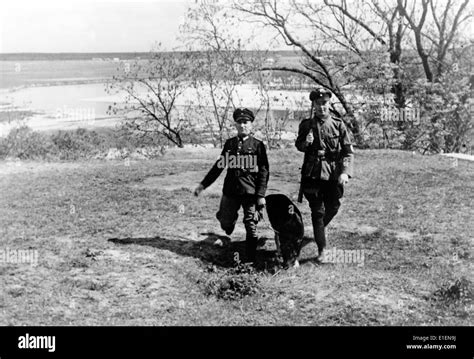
{"x": 218, "y": 70}
{"x": 312, "y": 66}
{"x": 448, "y": 17}
{"x": 383, "y": 27}
{"x": 151, "y": 90}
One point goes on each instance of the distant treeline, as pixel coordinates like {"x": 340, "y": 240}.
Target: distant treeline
{"x": 35, "y": 56}
{"x": 40, "y": 56}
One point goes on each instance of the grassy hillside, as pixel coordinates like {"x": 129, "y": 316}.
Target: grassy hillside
{"x": 126, "y": 243}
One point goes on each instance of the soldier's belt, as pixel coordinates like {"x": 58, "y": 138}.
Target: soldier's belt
{"x": 239, "y": 172}
{"x": 324, "y": 155}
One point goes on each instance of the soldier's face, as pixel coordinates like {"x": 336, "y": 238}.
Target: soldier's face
{"x": 321, "y": 106}
{"x": 243, "y": 127}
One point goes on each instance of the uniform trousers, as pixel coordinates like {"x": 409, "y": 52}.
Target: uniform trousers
{"x": 228, "y": 214}
{"x": 324, "y": 202}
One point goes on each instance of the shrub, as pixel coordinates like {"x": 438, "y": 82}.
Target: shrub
{"x": 233, "y": 283}
{"x": 459, "y": 291}
{"x": 23, "y": 143}
{"x": 81, "y": 143}
{"x": 445, "y": 115}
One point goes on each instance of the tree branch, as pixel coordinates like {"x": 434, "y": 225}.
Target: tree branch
{"x": 356, "y": 20}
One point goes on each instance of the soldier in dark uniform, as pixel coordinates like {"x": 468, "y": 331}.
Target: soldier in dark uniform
{"x": 246, "y": 181}
{"x": 328, "y": 163}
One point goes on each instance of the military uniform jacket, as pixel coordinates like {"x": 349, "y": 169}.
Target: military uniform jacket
{"x": 247, "y": 167}
{"x": 331, "y": 152}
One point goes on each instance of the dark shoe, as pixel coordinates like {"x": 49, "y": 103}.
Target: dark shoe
{"x": 229, "y": 231}
{"x": 251, "y": 251}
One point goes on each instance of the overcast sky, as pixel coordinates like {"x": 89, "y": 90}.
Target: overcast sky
{"x": 89, "y": 26}
{"x": 98, "y": 26}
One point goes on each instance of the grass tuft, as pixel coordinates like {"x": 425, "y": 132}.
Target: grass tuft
{"x": 232, "y": 283}
{"x": 455, "y": 292}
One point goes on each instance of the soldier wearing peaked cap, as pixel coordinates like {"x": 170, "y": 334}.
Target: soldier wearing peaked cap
{"x": 327, "y": 165}
{"x": 246, "y": 181}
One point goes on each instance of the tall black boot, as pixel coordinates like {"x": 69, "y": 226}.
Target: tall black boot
{"x": 319, "y": 233}
{"x": 251, "y": 249}
{"x": 251, "y": 241}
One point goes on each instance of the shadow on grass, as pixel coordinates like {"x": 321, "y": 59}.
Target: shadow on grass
{"x": 225, "y": 254}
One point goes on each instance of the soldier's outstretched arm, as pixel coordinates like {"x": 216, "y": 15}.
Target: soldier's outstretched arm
{"x": 216, "y": 169}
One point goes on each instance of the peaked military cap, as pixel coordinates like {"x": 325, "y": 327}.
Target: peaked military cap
{"x": 318, "y": 93}
{"x": 243, "y": 114}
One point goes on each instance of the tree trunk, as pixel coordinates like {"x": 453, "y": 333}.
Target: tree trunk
{"x": 423, "y": 57}
{"x": 397, "y": 88}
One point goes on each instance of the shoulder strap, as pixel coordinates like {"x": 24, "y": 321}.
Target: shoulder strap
{"x": 321, "y": 144}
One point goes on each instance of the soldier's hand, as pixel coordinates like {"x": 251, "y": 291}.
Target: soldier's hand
{"x": 343, "y": 179}
{"x": 260, "y": 206}
{"x": 198, "y": 189}
{"x": 310, "y": 137}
